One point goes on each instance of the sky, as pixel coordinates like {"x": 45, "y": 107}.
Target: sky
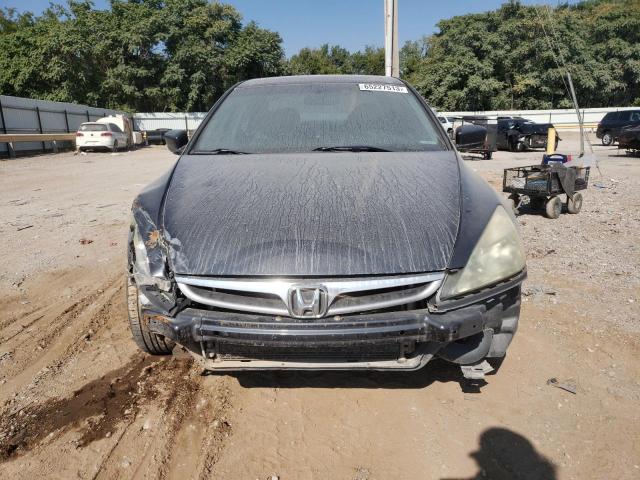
{"x": 352, "y": 24}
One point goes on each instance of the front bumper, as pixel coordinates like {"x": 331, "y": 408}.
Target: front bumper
{"x": 463, "y": 331}
{"x": 535, "y": 140}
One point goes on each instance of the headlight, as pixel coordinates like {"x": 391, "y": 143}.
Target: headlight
{"x": 146, "y": 272}
{"x": 142, "y": 261}
{"x": 497, "y": 255}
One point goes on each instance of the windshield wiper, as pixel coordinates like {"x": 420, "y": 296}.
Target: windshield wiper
{"x": 351, "y": 148}
{"x": 219, "y": 151}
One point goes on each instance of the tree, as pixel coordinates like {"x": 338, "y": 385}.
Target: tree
{"x": 335, "y": 60}
{"x": 154, "y": 55}
{"x": 145, "y": 55}
{"x": 515, "y": 57}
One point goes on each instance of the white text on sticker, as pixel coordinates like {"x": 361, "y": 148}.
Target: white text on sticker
{"x": 381, "y": 87}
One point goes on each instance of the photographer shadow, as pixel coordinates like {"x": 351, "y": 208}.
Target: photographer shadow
{"x": 506, "y": 455}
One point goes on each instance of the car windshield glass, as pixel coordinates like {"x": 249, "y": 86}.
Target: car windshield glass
{"x": 93, "y": 127}
{"x": 308, "y": 117}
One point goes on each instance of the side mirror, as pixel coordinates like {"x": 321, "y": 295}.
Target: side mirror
{"x": 176, "y": 140}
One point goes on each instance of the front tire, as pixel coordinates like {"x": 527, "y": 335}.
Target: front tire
{"x": 553, "y": 208}
{"x": 574, "y": 205}
{"x": 147, "y": 341}
{"x": 607, "y": 139}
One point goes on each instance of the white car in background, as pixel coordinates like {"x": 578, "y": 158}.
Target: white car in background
{"x": 447, "y": 124}
{"x": 95, "y": 135}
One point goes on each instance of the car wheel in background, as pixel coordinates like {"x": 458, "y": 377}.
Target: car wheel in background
{"x": 146, "y": 341}
{"x": 607, "y": 139}
{"x": 115, "y": 146}
{"x": 520, "y": 147}
{"x": 553, "y": 207}
{"x": 574, "y": 205}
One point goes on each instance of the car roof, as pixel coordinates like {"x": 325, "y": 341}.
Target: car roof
{"x": 308, "y": 79}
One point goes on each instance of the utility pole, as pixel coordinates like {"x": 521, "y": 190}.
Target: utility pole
{"x": 391, "y": 53}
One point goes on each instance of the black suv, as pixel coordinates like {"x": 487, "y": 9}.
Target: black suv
{"x": 612, "y": 124}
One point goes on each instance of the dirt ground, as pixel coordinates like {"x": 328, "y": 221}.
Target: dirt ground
{"x": 77, "y": 400}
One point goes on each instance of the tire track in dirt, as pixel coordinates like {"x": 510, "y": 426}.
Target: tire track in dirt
{"x": 193, "y": 427}
{"x": 61, "y": 331}
{"x": 115, "y": 411}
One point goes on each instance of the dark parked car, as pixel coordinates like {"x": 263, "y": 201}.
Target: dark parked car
{"x": 613, "y": 123}
{"x": 157, "y": 136}
{"x": 323, "y": 222}
{"x": 629, "y": 139}
{"x": 518, "y": 134}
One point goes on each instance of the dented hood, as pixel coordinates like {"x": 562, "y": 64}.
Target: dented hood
{"x": 315, "y": 214}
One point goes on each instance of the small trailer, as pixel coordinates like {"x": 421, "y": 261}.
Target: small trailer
{"x": 544, "y": 184}
{"x": 476, "y": 134}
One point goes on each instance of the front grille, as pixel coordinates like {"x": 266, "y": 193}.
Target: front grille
{"x": 350, "y": 354}
{"x": 343, "y": 295}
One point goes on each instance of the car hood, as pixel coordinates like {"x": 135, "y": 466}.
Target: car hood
{"x": 313, "y": 214}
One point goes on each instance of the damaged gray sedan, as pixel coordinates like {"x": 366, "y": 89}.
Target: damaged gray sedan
{"x": 323, "y": 222}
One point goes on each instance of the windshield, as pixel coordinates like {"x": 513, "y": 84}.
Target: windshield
{"x": 308, "y": 117}
{"x": 93, "y": 127}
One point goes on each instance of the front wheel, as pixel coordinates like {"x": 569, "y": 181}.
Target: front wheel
{"x": 607, "y": 139}
{"x": 147, "y": 341}
{"x": 574, "y": 205}
{"x": 553, "y": 207}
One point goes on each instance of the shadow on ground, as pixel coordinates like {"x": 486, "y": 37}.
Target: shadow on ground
{"x": 506, "y": 455}
{"x": 435, "y": 371}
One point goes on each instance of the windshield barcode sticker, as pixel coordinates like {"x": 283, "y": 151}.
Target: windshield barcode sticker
{"x": 381, "y": 87}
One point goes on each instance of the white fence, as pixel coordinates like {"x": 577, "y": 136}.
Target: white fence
{"x": 178, "y": 121}
{"x": 566, "y": 118}
{"x": 560, "y": 118}
{"x": 24, "y": 115}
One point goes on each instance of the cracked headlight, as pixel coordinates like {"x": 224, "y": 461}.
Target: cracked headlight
{"x": 142, "y": 261}
{"x": 497, "y": 256}
{"x": 145, "y": 271}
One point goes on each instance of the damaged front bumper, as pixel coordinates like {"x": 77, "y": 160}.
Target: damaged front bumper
{"x": 462, "y": 331}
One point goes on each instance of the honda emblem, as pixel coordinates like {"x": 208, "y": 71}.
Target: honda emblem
{"x": 307, "y": 301}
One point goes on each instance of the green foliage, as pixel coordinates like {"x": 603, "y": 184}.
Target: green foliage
{"x": 145, "y": 55}
{"x": 514, "y": 57}
{"x": 155, "y": 55}
{"x": 335, "y": 60}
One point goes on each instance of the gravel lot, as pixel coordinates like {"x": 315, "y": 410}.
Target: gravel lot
{"x": 78, "y": 401}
